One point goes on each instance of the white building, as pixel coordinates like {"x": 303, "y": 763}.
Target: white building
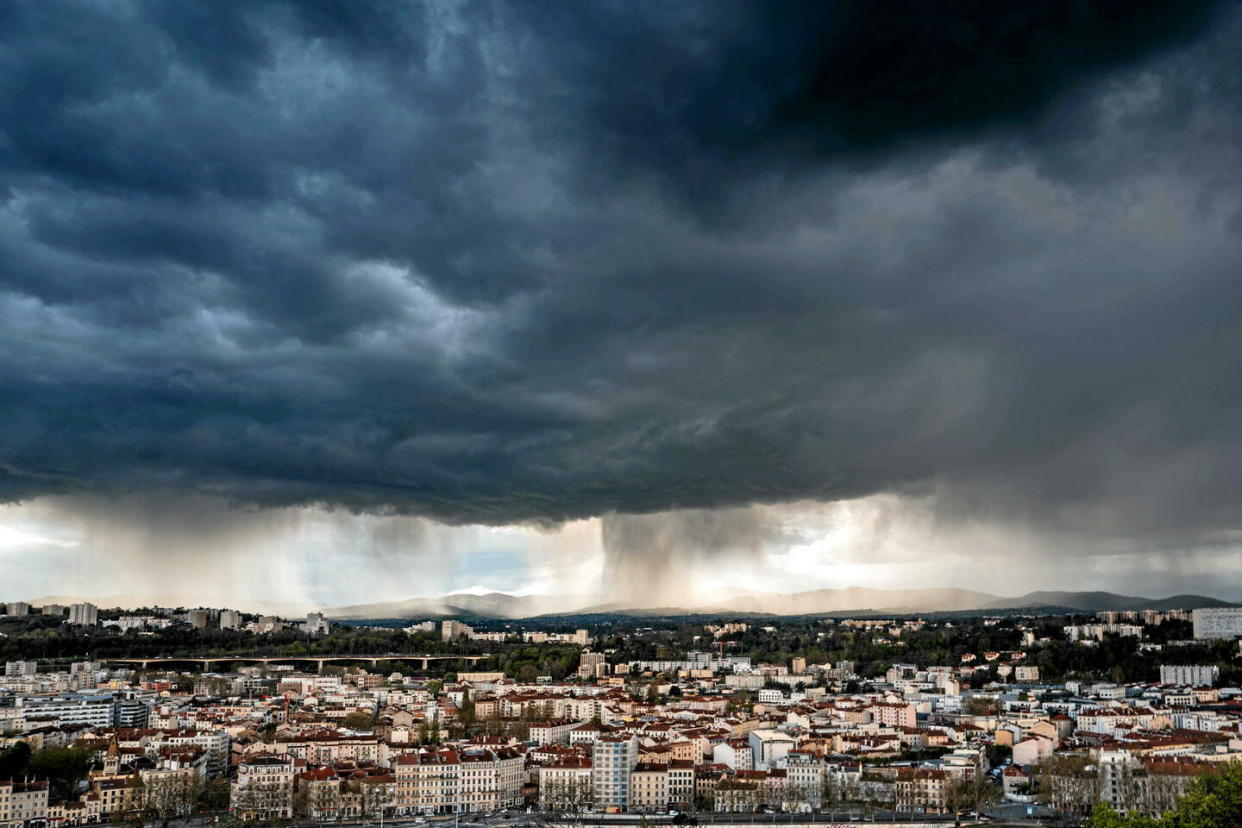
{"x": 230, "y": 619}
{"x": 1189, "y": 675}
{"x": 451, "y": 630}
{"x": 92, "y": 709}
{"x": 23, "y": 803}
{"x": 768, "y": 748}
{"x": 263, "y": 788}
{"x": 86, "y": 615}
{"x": 1216, "y": 622}
{"x": 316, "y": 624}
{"x": 612, "y": 760}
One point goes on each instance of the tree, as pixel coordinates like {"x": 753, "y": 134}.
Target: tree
{"x": 1069, "y": 785}
{"x": 358, "y": 721}
{"x": 978, "y": 706}
{"x": 1105, "y": 817}
{"x": 14, "y": 761}
{"x": 213, "y": 795}
{"x": 63, "y": 768}
{"x": 465, "y": 712}
{"x": 1214, "y": 800}
{"x": 166, "y": 796}
{"x": 376, "y": 797}
{"x": 829, "y": 791}
{"x": 970, "y": 793}
{"x": 567, "y": 798}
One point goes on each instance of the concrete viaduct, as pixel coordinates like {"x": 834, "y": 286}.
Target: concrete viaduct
{"x": 319, "y": 661}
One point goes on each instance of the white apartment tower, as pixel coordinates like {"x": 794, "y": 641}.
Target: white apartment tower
{"x": 87, "y": 615}
{"x": 612, "y": 760}
{"x": 1217, "y": 622}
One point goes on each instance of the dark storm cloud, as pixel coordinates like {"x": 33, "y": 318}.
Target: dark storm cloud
{"x": 496, "y": 262}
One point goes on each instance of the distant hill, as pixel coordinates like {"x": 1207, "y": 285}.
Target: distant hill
{"x": 500, "y": 605}
{"x": 1182, "y": 602}
{"x": 462, "y": 605}
{"x": 1086, "y": 601}
{"x": 1104, "y": 601}
{"x": 859, "y": 598}
{"x": 814, "y": 602}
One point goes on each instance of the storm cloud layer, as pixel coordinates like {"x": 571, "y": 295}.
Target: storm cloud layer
{"x": 495, "y": 263}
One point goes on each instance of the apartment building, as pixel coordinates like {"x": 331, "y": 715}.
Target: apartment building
{"x": 768, "y": 748}
{"x": 592, "y": 665}
{"x": 565, "y": 786}
{"x": 553, "y": 731}
{"x": 457, "y": 780}
{"x": 22, "y": 803}
{"x": 1189, "y": 675}
{"x": 736, "y": 753}
{"x": 264, "y": 787}
{"x": 1217, "y": 622}
{"x": 86, "y": 615}
{"x": 612, "y": 760}
{"x": 451, "y": 630}
{"x": 922, "y": 790}
{"x": 805, "y": 774}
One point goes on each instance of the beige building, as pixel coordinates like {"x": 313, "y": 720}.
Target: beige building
{"x": 457, "y": 780}
{"x": 22, "y": 802}
{"x": 264, "y": 787}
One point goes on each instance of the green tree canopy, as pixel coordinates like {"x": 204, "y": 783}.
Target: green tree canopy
{"x": 1213, "y": 801}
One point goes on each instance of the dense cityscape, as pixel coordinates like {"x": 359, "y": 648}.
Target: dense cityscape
{"x": 167, "y": 714}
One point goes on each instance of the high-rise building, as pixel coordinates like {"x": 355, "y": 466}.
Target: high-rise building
{"x": 612, "y": 760}
{"x": 592, "y": 665}
{"x": 316, "y": 624}
{"x": 1217, "y": 622}
{"x": 230, "y": 619}
{"x": 54, "y": 610}
{"x": 87, "y": 615}
{"x": 198, "y": 618}
{"x": 17, "y": 608}
{"x": 451, "y": 630}
{"x": 131, "y": 710}
{"x": 21, "y": 668}
{"x": 1192, "y": 675}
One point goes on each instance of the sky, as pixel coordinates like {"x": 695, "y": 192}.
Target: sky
{"x": 334, "y": 302}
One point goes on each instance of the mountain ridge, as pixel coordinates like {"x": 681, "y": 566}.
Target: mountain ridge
{"x": 502, "y": 605}
{"x": 811, "y": 602}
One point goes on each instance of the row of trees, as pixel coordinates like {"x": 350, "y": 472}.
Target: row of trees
{"x": 571, "y": 798}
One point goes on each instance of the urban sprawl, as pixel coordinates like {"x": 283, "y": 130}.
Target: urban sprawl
{"x": 121, "y": 716}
